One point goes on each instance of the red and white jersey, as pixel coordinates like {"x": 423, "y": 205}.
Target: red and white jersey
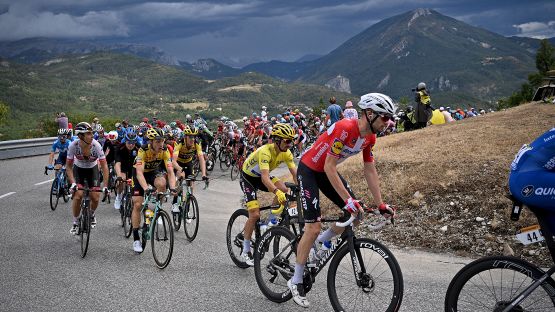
{"x": 341, "y": 140}
{"x": 76, "y": 154}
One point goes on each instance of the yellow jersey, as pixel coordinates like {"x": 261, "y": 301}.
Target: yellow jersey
{"x": 266, "y": 157}
{"x": 183, "y": 154}
{"x": 151, "y": 160}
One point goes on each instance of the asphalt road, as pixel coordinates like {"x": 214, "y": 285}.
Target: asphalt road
{"x": 41, "y": 268}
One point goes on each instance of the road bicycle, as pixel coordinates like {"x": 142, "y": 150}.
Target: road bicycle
{"x": 85, "y": 218}
{"x": 59, "y": 188}
{"x": 504, "y": 283}
{"x": 363, "y": 274}
{"x": 112, "y": 177}
{"x": 188, "y": 208}
{"x": 157, "y": 228}
{"x": 236, "y": 224}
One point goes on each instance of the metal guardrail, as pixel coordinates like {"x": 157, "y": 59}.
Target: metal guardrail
{"x": 25, "y": 148}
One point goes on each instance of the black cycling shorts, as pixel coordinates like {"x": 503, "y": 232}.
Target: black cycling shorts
{"x": 187, "y": 167}
{"x": 249, "y": 186}
{"x": 86, "y": 176}
{"x": 149, "y": 177}
{"x": 311, "y": 183}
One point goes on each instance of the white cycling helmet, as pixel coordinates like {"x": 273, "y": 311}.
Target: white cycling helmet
{"x": 379, "y": 103}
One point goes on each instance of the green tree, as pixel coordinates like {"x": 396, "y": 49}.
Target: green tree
{"x": 4, "y": 112}
{"x": 545, "y": 58}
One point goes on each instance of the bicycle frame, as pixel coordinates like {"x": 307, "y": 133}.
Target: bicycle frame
{"x": 149, "y": 198}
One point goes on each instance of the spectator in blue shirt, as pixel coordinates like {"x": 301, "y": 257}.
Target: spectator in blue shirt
{"x": 334, "y": 112}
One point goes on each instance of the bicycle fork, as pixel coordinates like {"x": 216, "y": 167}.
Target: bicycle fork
{"x": 363, "y": 279}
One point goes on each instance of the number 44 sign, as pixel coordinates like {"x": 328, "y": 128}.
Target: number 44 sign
{"x": 529, "y": 235}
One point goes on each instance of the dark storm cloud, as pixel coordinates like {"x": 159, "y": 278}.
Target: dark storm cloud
{"x": 251, "y": 29}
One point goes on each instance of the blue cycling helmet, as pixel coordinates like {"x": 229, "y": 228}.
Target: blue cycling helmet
{"x": 131, "y": 136}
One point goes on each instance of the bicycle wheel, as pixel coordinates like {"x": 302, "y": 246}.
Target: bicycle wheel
{"x": 127, "y": 208}
{"x": 191, "y": 218}
{"x": 54, "y": 197}
{"x": 162, "y": 239}
{"x": 234, "y": 172}
{"x": 225, "y": 161}
{"x": 379, "y": 273}
{"x": 274, "y": 266}
{"x": 491, "y": 283}
{"x": 234, "y": 236}
{"x": 85, "y": 231}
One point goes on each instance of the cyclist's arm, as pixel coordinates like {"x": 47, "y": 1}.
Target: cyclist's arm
{"x": 69, "y": 171}
{"x": 105, "y": 171}
{"x": 201, "y": 160}
{"x": 265, "y": 176}
{"x": 371, "y": 175}
{"x": 294, "y": 174}
{"x": 51, "y": 158}
{"x": 169, "y": 167}
{"x": 330, "y": 168}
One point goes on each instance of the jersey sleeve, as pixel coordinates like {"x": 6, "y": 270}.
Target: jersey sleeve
{"x": 71, "y": 151}
{"x": 54, "y": 145}
{"x": 289, "y": 160}
{"x": 176, "y": 149}
{"x": 166, "y": 157}
{"x": 367, "y": 155}
{"x": 264, "y": 158}
{"x": 101, "y": 155}
{"x": 139, "y": 160}
{"x": 198, "y": 149}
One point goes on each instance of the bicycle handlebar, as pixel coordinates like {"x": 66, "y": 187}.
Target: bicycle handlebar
{"x": 346, "y": 223}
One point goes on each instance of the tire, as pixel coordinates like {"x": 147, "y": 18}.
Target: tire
{"x": 65, "y": 192}
{"x": 162, "y": 239}
{"x": 382, "y": 277}
{"x": 225, "y": 161}
{"x": 144, "y": 235}
{"x": 54, "y": 198}
{"x": 234, "y": 236}
{"x": 489, "y": 283}
{"x": 191, "y": 218}
{"x": 127, "y": 208}
{"x": 85, "y": 231}
{"x": 234, "y": 172}
{"x": 274, "y": 263}
{"x": 196, "y": 167}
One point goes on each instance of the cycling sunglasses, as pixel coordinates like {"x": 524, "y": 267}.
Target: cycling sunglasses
{"x": 287, "y": 141}
{"x": 386, "y": 118}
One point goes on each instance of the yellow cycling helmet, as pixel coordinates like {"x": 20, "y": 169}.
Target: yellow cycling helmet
{"x": 188, "y": 130}
{"x": 154, "y": 133}
{"x": 284, "y": 131}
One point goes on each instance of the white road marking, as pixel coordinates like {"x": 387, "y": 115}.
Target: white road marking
{"x": 7, "y": 194}
{"x": 44, "y": 182}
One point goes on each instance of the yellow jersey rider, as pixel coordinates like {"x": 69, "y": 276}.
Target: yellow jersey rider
{"x": 184, "y": 152}
{"x": 152, "y": 164}
{"x": 256, "y": 176}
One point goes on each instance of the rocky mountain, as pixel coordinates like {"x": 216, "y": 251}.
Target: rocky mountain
{"x": 36, "y": 50}
{"x": 211, "y": 69}
{"x": 457, "y": 61}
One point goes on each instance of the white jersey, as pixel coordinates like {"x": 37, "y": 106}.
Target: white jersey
{"x": 76, "y": 154}
{"x": 264, "y": 116}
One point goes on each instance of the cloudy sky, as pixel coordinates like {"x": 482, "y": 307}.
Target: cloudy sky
{"x": 246, "y": 31}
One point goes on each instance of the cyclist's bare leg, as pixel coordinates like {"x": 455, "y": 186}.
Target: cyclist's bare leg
{"x": 311, "y": 231}
{"x": 121, "y": 184}
{"x": 95, "y": 196}
{"x": 136, "y": 213}
{"x": 254, "y": 215}
{"x": 160, "y": 184}
{"x": 75, "y": 205}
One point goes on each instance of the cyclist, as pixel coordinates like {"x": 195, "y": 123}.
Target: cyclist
{"x": 206, "y": 138}
{"x": 183, "y": 154}
{"x": 152, "y": 165}
{"x": 318, "y": 172}
{"x": 125, "y": 154}
{"x": 61, "y": 145}
{"x": 532, "y": 177}
{"x": 83, "y": 157}
{"x": 255, "y": 175}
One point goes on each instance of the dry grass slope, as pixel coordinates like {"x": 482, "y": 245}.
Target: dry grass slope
{"x": 460, "y": 171}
